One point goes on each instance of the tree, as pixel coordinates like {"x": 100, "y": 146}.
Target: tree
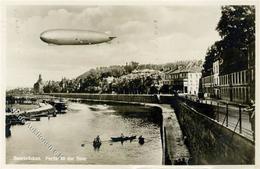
{"x": 131, "y": 66}
{"x": 237, "y": 25}
{"x": 52, "y": 87}
{"x": 237, "y": 30}
{"x": 213, "y": 53}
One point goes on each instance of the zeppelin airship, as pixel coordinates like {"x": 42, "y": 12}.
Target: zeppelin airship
{"x": 74, "y": 37}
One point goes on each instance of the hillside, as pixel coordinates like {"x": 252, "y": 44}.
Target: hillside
{"x": 119, "y": 70}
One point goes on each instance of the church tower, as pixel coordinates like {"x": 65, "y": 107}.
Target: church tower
{"x": 38, "y": 86}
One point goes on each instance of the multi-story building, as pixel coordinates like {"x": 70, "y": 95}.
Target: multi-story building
{"x": 251, "y": 69}
{"x": 234, "y": 86}
{"x": 216, "y": 89}
{"x": 237, "y": 86}
{"x": 184, "y": 81}
{"x": 207, "y": 84}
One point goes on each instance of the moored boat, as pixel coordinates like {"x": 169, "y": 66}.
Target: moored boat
{"x": 60, "y": 105}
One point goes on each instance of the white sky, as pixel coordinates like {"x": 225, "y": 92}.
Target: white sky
{"x": 146, "y": 34}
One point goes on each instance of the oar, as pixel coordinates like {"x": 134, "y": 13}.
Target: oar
{"x": 90, "y": 142}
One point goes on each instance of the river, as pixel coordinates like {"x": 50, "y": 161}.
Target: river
{"x": 72, "y": 135}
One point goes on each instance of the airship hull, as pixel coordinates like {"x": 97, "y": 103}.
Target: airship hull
{"x": 74, "y": 37}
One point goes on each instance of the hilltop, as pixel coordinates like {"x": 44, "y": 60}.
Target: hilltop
{"x": 120, "y": 70}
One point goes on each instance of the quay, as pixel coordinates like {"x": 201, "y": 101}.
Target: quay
{"x": 174, "y": 150}
{"x": 34, "y": 114}
{"x": 208, "y": 141}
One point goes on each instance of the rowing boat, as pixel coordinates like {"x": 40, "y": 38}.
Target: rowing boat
{"x": 125, "y": 138}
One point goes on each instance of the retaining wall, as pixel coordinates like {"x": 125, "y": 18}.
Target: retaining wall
{"x": 208, "y": 141}
{"x": 141, "y": 98}
{"x": 211, "y": 143}
{"x": 173, "y": 147}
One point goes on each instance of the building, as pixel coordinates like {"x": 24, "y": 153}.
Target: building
{"x": 38, "y": 86}
{"x": 210, "y": 83}
{"x": 237, "y": 86}
{"x": 251, "y": 70}
{"x": 184, "y": 81}
{"x": 216, "y": 89}
{"x": 207, "y": 85}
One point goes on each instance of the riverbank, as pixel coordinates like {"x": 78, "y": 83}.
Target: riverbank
{"x": 84, "y": 124}
{"x": 21, "y": 107}
{"x": 174, "y": 149}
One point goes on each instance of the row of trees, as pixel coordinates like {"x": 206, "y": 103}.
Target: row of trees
{"x": 20, "y": 91}
{"x": 130, "y": 83}
{"x": 130, "y": 78}
{"x": 237, "y": 30}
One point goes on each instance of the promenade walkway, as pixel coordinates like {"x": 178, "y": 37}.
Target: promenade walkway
{"x": 228, "y": 114}
{"x": 175, "y": 148}
{"x": 43, "y": 107}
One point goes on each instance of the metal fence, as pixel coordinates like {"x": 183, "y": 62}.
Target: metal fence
{"x": 233, "y": 116}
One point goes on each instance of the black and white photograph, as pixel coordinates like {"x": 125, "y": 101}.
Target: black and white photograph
{"x": 129, "y": 84}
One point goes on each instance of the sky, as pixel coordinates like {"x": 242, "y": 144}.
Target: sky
{"x": 145, "y": 34}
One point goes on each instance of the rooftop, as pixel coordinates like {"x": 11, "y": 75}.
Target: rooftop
{"x": 191, "y": 68}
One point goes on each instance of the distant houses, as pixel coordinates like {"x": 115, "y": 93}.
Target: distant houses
{"x": 183, "y": 80}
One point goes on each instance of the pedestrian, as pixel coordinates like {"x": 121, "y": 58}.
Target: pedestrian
{"x": 251, "y": 112}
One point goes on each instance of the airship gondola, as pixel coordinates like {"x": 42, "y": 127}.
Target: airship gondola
{"x": 74, "y": 37}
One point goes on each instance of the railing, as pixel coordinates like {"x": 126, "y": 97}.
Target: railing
{"x": 227, "y": 114}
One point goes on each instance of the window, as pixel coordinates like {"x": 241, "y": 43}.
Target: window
{"x": 235, "y": 77}
{"x": 245, "y": 97}
{"x": 242, "y": 94}
{"x": 245, "y": 77}
{"x": 252, "y": 73}
{"x": 239, "y": 81}
{"x": 242, "y": 77}
{"x": 239, "y": 93}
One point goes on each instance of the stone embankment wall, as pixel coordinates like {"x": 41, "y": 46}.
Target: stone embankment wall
{"x": 141, "y": 98}
{"x": 211, "y": 143}
{"x": 208, "y": 141}
{"x": 173, "y": 147}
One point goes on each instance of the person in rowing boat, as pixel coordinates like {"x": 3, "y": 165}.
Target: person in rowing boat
{"x": 141, "y": 140}
{"x": 98, "y": 139}
{"x": 122, "y": 136}
{"x": 97, "y": 142}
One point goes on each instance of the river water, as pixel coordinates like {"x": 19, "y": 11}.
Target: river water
{"x": 72, "y": 135}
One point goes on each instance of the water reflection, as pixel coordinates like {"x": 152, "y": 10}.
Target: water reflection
{"x": 73, "y": 134}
